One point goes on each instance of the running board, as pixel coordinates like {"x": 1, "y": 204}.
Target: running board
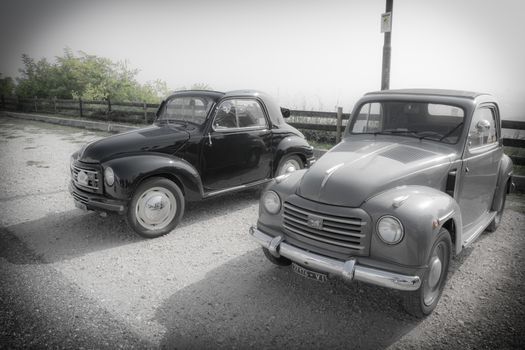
{"x": 236, "y": 188}
{"x": 479, "y": 228}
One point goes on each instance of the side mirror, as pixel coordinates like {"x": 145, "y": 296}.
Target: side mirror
{"x": 483, "y": 125}
{"x": 285, "y": 112}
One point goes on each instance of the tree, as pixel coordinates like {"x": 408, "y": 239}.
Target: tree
{"x": 7, "y": 86}
{"x": 85, "y": 76}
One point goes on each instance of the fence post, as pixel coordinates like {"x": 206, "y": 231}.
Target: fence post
{"x": 3, "y": 102}
{"x": 339, "y": 124}
{"x": 34, "y": 100}
{"x": 18, "y": 107}
{"x": 55, "y": 104}
{"x": 80, "y": 106}
{"x": 109, "y": 105}
{"x": 145, "y": 113}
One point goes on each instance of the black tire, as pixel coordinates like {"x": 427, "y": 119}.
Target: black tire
{"x": 280, "y": 261}
{"x": 422, "y": 302}
{"x": 287, "y": 162}
{"x": 156, "y": 208}
{"x": 493, "y": 226}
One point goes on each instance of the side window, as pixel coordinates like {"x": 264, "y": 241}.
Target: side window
{"x": 239, "y": 113}
{"x": 369, "y": 119}
{"x": 482, "y": 128}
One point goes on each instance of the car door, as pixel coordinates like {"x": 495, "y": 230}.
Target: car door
{"x": 480, "y": 166}
{"x": 237, "y": 146}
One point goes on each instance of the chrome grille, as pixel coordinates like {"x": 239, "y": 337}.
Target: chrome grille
{"x": 90, "y": 178}
{"x": 343, "y": 233}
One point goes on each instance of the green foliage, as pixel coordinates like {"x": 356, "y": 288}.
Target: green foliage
{"x": 85, "y": 76}
{"x": 7, "y": 86}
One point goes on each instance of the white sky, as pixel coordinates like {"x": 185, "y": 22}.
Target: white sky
{"x": 309, "y": 54}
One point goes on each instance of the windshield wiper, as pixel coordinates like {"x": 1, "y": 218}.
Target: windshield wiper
{"x": 450, "y": 132}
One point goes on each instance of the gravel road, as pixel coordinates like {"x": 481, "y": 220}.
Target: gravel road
{"x": 74, "y": 279}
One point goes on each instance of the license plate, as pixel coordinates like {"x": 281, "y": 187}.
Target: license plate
{"x": 321, "y": 277}
{"x": 80, "y": 205}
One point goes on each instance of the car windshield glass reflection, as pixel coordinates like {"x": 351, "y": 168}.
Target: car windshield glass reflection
{"x": 438, "y": 122}
{"x": 185, "y": 110}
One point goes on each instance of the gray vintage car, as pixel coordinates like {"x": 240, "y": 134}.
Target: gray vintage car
{"x": 418, "y": 176}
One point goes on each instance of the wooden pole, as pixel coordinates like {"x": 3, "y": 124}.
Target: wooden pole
{"x": 145, "y": 113}
{"x": 3, "y": 102}
{"x": 55, "y": 104}
{"x": 387, "y": 50}
{"x": 80, "y": 106}
{"x": 339, "y": 124}
{"x": 34, "y": 101}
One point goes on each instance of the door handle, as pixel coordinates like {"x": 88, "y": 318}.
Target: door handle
{"x": 209, "y": 140}
{"x": 467, "y": 169}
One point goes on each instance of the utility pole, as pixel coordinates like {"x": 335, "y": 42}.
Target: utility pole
{"x": 386, "y": 27}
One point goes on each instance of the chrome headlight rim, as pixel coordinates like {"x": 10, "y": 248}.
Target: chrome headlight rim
{"x": 399, "y": 224}
{"x": 109, "y": 176}
{"x": 276, "y": 202}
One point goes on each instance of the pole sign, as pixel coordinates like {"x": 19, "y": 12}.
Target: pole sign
{"x": 386, "y": 22}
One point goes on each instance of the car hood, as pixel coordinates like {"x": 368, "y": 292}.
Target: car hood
{"x": 353, "y": 171}
{"x": 160, "y": 139}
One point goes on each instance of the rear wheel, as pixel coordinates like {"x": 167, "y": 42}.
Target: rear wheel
{"x": 423, "y": 301}
{"x": 156, "y": 207}
{"x": 289, "y": 164}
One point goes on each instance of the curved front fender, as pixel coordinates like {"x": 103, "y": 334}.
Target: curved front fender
{"x": 505, "y": 172}
{"x": 131, "y": 170}
{"x": 422, "y": 211}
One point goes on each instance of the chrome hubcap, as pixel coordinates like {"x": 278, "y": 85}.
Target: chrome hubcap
{"x": 431, "y": 288}
{"x": 156, "y": 208}
{"x": 289, "y": 166}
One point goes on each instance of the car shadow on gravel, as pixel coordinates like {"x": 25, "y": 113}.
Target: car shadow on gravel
{"x": 250, "y": 303}
{"x": 74, "y": 233}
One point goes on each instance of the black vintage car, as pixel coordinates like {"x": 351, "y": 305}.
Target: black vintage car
{"x": 202, "y": 144}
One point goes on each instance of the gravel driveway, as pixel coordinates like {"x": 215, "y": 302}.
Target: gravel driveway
{"x": 74, "y": 279}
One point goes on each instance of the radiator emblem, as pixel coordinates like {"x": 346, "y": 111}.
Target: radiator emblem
{"x": 315, "y": 222}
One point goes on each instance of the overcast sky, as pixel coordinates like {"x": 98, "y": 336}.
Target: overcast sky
{"x": 308, "y": 53}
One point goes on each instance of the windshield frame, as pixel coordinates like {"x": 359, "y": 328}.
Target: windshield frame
{"x": 162, "y": 118}
{"x": 457, "y": 129}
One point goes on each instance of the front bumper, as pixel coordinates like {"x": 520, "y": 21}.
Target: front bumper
{"x": 94, "y": 201}
{"x": 348, "y": 270}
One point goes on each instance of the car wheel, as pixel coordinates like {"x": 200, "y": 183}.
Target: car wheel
{"x": 156, "y": 208}
{"x": 493, "y": 226}
{"x": 289, "y": 164}
{"x": 423, "y": 301}
{"x": 281, "y": 261}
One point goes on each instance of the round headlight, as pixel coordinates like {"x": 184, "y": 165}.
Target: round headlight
{"x": 271, "y": 202}
{"x": 109, "y": 176}
{"x": 390, "y": 230}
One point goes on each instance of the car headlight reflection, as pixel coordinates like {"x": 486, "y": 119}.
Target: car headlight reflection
{"x": 271, "y": 202}
{"x": 109, "y": 176}
{"x": 390, "y": 230}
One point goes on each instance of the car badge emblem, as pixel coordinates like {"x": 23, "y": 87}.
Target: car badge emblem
{"x": 83, "y": 178}
{"x": 315, "y": 222}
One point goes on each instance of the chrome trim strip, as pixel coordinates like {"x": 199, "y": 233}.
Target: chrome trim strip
{"x": 320, "y": 238}
{"x": 236, "y": 188}
{"x": 348, "y": 270}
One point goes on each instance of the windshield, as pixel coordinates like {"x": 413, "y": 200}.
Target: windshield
{"x": 423, "y": 120}
{"x": 186, "y": 110}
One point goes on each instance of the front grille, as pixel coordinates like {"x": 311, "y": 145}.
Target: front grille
{"x": 344, "y": 234}
{"x": 82, "y": 199}
{"x": 86, "y": 177}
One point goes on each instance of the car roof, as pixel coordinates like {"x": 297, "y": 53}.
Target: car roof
{"x": 430, "y": 92}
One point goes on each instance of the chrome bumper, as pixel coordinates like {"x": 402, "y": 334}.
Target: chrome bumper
{"x": 347, "y": 270}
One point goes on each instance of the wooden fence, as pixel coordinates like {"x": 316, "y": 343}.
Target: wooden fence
{"x": 324, "y": 127}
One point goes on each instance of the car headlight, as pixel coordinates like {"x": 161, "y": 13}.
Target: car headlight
{"x": 390, "y": 229}
{"x": 109, "y": 176}
{"x": 271, "y": 202}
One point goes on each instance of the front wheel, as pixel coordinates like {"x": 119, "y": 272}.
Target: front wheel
{"x": 422, "y": 302}
{"x": 156, "y": 208}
